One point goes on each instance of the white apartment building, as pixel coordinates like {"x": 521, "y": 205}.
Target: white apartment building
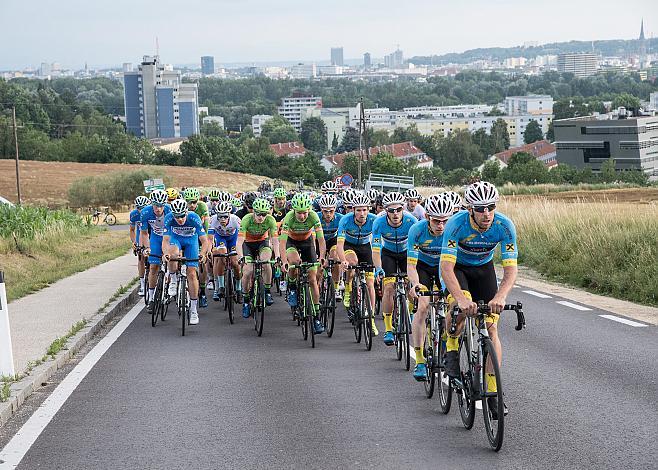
{"x": 532, "y": 104}
{"x": 303, "y": 71}
{"x": 291, "y": 108}
{"x": 257, "y": 122}
{"x": 580, "y": 64}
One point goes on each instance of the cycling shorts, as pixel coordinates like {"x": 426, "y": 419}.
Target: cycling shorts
{"x": 251, "y": 250}
{"x": 428, "y": 276}
{"x": 228, "y": 242}
{"x": 363, "y": 252}
{"x": 155, "y": 242}
{"x": 480, "y": 281}
{"x": 305, "y": 248}
{"x": 393, "y": 262}
{"x": 189, "y": 246}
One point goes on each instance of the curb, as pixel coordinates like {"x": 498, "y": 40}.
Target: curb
{"x": 40, "y": 375}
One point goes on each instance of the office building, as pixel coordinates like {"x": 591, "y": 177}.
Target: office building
{"x": 367, "y": 60}
{"x": 158, "y": 103}
{"x": 337, "y": 56}
{"x": 207, "y": 65}
{"x": 394, "y": 60}
{"x": 291, "y": 108}
{"x": 257, "y": 123}
{"x": 45, "y": 70}
{"x": 579, "y": 64}
{"x": 591, "y": 141}
{"x": 303, "y": 71}
{"x": 532, "y": 104}
{"x": 127, "y": 67}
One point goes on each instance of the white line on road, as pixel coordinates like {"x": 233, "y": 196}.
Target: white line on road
{"x": 576, "y": 306}
{"x": 537, "y": 294}
{"x": 20, "y": 444}
{"x": 623, "y": 320}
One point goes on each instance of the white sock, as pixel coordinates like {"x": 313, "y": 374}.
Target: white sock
{"x": 151, "y": 293}
{"x": 220, "y": 281}
{"x": 193, "y": 306}
{"x": 173, "y": 277}
{"x": 141, "y": 283}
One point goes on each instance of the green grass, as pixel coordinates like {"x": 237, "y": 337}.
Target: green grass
{"x": 60, "y": 343}
{"x": 538, "y": 189}
{"x": 5, "y": 391}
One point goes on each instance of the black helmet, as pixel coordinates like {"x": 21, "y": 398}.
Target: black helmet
{"x": 249, "y": 199}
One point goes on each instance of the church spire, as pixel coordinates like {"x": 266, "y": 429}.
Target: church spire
{"x": 642, "y": 30}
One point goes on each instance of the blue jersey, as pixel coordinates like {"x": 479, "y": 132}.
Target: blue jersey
{"x": 391, "y": 238}
{"x": 354, "y": 234}
{"x": 330, "y": 229}
{"x": 151, "y": 223}
{"x": 193, "y": 227}
{"x": 464, "y": 244}
{"x": 136, "y": 221}
{"x": 423, "y": 246}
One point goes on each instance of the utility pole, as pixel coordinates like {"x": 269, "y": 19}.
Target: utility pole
{"x": 18, "y": 174}
{"x": 362, "y": 138}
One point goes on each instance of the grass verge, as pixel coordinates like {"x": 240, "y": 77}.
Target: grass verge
{"x": 605, "y": 247}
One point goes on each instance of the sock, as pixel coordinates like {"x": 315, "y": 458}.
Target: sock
{"x": 491, "y": 383}
{"x": 173, "y": 277}
{"x": 238, "y": 285}
{"x": 219, "y": 280}
{"x": 335, "y": 285}
{"x": 420, "y": 356}
{"x": 268, "y": 287}
{"x": 141, "y": 283}
{"x": 193, "y": 305}
{"x": 348, "y": 289}
{"x": 151, "y": 293}
{"x": 388, "y": 321}
{"x": 452, "y": 343}
{"x": 316, "y": 309}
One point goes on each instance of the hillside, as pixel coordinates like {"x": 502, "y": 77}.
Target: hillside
{"x": 48, "y": 182}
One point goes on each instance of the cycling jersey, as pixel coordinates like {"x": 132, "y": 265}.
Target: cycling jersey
{"x": 423, "y": 246}
{"x": 418, "y": 212}
{"x": 350, "y": 232}
{"x": 391, "y": 238}
{"x": 151, "y": 223}
{"x": 251, "y": 231}
{"x": 185, "y": 236}
{"x": 280, "y": 213}
{"x": 225, "y": 236}
{"x": 202, "y": 211}
{"x": 136, "y": 221}
{"x": 330, "y": 229}
{"x": 464, "y": 244}
{"x": 242, "y": 212}
{"x": 299, "y": 231}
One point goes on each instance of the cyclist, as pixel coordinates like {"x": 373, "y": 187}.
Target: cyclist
{"x": 247, "y": 203}
{"x": 256, "y": 231}
{"x": 330, "y": 219}
{"x": 457, "y": 202}
{"x": 347, "y": 201}
{"x": 135, "y": 223}
{"x": 224, "y": 228}
{"x": 172, "y": 195}
{"x": 192, "y": 197}
{"x": 372, "y": 195}
{"x": 151, "y": 227}
{"x": 423, "y": 259}
{"x": 379, "y": 205}
{"x": 184, "y": 231}
{"x": 280, "y": 207}
{"x": 301, "y": 227}
{"x": 468, "y": 272}
{"x": 213, "y": 195}
{"x": 389, "y": 252}
{"x": 236, "y": 202}
{"x": 413, "y": 203}
{"x": 353, "y": 245}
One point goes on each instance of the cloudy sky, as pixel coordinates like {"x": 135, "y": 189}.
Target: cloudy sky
{"x": 110, "y": 32}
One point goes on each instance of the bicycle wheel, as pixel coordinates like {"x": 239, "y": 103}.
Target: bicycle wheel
{"x": 357, "y": 321}
{"x": 259, "y": 314}
{"x": 228, "y": 295}
{"x": 302, "y": 312}
{"x": 367, "y": 317}
{"x": 429, "y": 358}
{"x": 495, "y": 427}
{"x": 157, "y": 298}
{"x": 445, "y": 389}
{"x": 310, "y": 314}
{"x": 110, "y": 219}
{"x": 330, "y": 308}
{"x": 397, "y": 328}
{"x": 95, "y": 219}
{"x": 465, "y": 397}
{"x": 183, "y": 307}
{"x": 405, "y": 328}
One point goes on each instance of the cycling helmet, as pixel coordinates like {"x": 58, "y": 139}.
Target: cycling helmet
{"x": 261, "y": 205}
{"x": 328, "y": 201}
{"x": 159, "y": 197}
{"x": 329, "y": 187}
{"x": 301, "y": 202}
{"x": 225, "y": 197}
{"x": 455, "y": 198}
{"x": 279, "y": 193}
{"x": 347, "y": 196}
{"x": 236, "y": 202}
{"x": 214, "y": 194}
{"x": 393, "y": 198}
{"x": 360, "y": 199}
{"x": 481, "y": 193}
{"x": 172, "y": 193}
{"x": 380, "y": 200}
{"x": 439, "y": 205}
{"x": 141, "y": 202}
{"x": 372, "y": 194}
{"x": 248, "y": 199}
{"x": 179, "y": 207}
{"x": 224, "y": 208}
{"x": 191, "y": 195}
{"x": 412, "y": 194}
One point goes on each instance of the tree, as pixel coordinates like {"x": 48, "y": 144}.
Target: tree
{"x": 279, "y": 130}
{"x": 314, "y": 134}
{"x": 550, "y": 135}
{"x": 350, "y": 141}
{"x": 334, "y": 143}
{"x": 524, "y": 168}
{"x": 495, "y": 112}
{"x": 608, "y": 172}
{"x": 490, "y": 170}
{"x": 458, "y": 151}
{"x": 532, "y": 132}
{"x": 626, "y": 100}
{"x": 387, "y": 164}
{"x": 499, "y": 136}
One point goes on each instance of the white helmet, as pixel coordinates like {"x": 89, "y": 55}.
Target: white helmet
{"x": 412, "y": 194}
{"x": 159, "y": 197}
{"x": 481, "y": 193}
{"x": 327, "y": 201}
{"x": 439, "y": 205}
{"x": 372, "y": 194}
{"x": 179, "y": 207}
{"x": 224, "y": 207}
{"x": 141, "y": 202}
{"x": 225, "y": 197}
{"x": 329, "y": 186}
{"x": 393, "y": 198}
{"x": 348, "y": 194}
{"x": 455, "y": 198}
{"x": 360, "y": 199}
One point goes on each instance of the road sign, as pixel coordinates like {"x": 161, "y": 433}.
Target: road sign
{"x": 346, "y": 179}
{"x": 152, "y": 185}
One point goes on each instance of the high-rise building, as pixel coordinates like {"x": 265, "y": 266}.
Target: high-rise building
{"x": 207, "y": 65}
{"x": 257, "y": 122}
{"x": 291, "y": 108}
{"x": 45, "y": 69}
{"x": 127, "y": 67}
{"x": 337, "y": 56}
{"x": 158, "y": 103}
{"x": 367, "y": 60}
{"x": 580, "y": 64}
{"x": 394, "y": 60}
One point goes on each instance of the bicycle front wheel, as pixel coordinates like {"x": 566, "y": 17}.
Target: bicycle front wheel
{"x": 228, "y": 295}
{"x": 310, "y": 314}
{"x": 405, "y": 328}
{"x": 183, "y": 304}
{"x": 494, "y": 418}
{"x": 330, "y": 308}
{"x": 429, "y": 359}
{"x": 110, "y": 219}
{"x": 465, "y": 397}
{"x": 367, "y": 317}
{"x": 445, "y": 389}
{"x": 259, "y": 314}
{"x": 157, "y": 298}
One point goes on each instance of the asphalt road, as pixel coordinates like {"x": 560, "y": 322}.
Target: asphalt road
{"x": 582, "y": 392}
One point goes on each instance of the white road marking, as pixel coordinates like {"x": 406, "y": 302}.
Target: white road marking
{"x": 623, "y": 320}
{"x": 20, "y": 444}
{"x": 537, "y": 294}
{"x": 575, "y": 306}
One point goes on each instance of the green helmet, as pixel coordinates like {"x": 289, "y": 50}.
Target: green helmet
{"x": 261, "y": 205}
{"x": 214, "y": 194}
{"x": 280, "y": 193}
{"x": 236, "y": 202}
{"x": 301, "y": 202}
{"x": 191, "y": 194}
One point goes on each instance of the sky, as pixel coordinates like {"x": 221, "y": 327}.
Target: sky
{"x": 108, "y": 33}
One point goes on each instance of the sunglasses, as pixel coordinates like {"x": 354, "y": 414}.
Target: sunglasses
{"x": 180, "y": 216}
{"x": 481, "y": 209}
{"x": 223, "y": 216}
{"x": 394, "y": 210}
{"x": 439, "y": 221}
{"x": 261, "y": 214}
{"x": 192, "y": 202}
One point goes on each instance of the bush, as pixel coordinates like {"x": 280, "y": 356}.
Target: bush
{"x": 26, "y": 222}
{"x": 111, "y": 189}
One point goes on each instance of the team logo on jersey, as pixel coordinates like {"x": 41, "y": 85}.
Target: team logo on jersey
{"x": 452, "y": 244}
{"x": 509, "y": 247}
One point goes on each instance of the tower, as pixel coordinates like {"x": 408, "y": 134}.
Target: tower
{"x": 642, "y": 49}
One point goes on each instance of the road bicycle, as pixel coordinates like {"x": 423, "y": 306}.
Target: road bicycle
{"x": 160, "y": 295}
{"x": 475, "y": 352}
{"x": 139, "y": 251}
{"x": 328, "y": 298}
{"x": 434, "y": 348}
{"x": 401, "y": 320}
{"x": 182, "y": 296}
{"x": 305, "y": 309}
{"x": 105, "y": 216}
{"x": 230, "y": 295}
{"x": 360, "y": 310}
{"x": 256, "y": 295}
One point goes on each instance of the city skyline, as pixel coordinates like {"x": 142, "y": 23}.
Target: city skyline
{"x": 430, "y": 29}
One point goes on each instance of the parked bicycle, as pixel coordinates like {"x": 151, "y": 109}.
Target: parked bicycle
{"x": 104, "y": 215}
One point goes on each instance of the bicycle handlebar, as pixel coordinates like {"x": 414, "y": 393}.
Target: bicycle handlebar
{"x": 225, "y": 255}
{"x": 484, "y": 309}
{"x": 362, "y": 266}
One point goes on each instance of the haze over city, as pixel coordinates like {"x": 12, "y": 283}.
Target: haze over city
{"x": 110, "y": 33}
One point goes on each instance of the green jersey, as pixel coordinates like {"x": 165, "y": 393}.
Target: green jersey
{"x": 202, "y": 211}
{"x": 251, "y": 231}
{"x": 299, "y": 231}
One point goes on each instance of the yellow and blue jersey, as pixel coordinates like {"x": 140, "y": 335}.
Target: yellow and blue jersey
{"x": 391, "y": 238}
{"x": 330, "y": 229}
{"x": 136, "y": 221}
{"x": 350, "y": 232}
{"x": 423, "y": 246}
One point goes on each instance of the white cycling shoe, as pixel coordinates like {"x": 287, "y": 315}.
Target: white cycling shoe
{"x": 171, "y": 291}
{"x": 194, "y": 318}
{"x": 141, "y": 291}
